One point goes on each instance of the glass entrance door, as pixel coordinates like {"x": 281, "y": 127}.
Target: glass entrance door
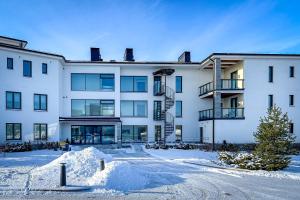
{"x": 93, "y": 134}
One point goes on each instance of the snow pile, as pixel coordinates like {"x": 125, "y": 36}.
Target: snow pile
{"x": 83, "y": 168}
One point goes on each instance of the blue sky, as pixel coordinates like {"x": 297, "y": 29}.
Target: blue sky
{"x": 156, "y": 29}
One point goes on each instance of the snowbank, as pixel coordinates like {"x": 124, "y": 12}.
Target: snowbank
{"x": 83, "y": 168}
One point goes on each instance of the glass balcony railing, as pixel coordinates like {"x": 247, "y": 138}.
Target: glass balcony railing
{"x": 226, "y": 113}
{"x": 226, "y": 84}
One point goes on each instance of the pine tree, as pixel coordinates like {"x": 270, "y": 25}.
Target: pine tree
{"x": 274, "y": 140}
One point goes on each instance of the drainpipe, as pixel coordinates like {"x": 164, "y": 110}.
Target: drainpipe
{"x": 165, "y": 118}
{"x": 213, "y": 121}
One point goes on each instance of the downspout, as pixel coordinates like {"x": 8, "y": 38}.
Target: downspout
{"x": 165, "y": 118}
{"x": 213, "y": 120}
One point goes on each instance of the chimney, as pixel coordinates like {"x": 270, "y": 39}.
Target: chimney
{"x": 128, "y": 56}
{"x": 95, "y": 54}
{"x": 185, "y": 57}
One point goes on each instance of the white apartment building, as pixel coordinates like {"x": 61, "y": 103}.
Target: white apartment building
{"x": 45, "y": 97}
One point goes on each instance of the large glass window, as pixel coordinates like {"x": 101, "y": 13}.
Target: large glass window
{"x": 27, "y": 68}
{"x": 10, "y": 63}
{"x": 178, "y": 133}
{"x": 107, "y": 82}
{"x": 134, "y": 133}
{"x": 92, "y": 82}
{"x": 134, "y": 108}
{"x": 40, "y": 102}
{"x": 91, "y": 134}
{"x": 92, "y": 107}
{"x": 178, "y": 84}
{"x": 178, "y": 108}
{"x": 78, "y": 107}
{"x": 77, "y": 82}
{"x": 40, "y": 131}
{"x": 13, "y": 100}
{"x": 13, "y": 131}
{"x": 107, "y": 108}
{"x": 134, "y": 84}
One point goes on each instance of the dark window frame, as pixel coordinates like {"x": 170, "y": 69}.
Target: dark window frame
{"x": 44, "y": 68}
{"x": 270, "y": 101}
{"x": 100, "y": 100}
{"x": 178, "y": 116}
{"x": 30, "y": 62}
{"x": 40, "y": 131}
{"x": 134, "y": 115}
{"x": 271, "y": 74}
{"x": 292, "y": 72}
{"x": 181, "y": 129}
{"x": 13, "y": 102}
{"x": 291, "y": 100}
{"x": 100, "y": 75}
{"x": 8, "y": 60}
{"x": 134, "y": 133}
{"x": 40, "y": 102}
{"x": 133, "y": 81}
{"x": 13, "y": 131}
{"x": 157, "y": 137}
{"x": 178, "y": 91}
{"x": 291, "y": 127}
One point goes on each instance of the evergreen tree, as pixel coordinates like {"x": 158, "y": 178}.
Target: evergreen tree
{"x": 274, "y": 140}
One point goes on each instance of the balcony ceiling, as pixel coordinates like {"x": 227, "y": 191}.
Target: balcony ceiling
{"x": 224, "y": 64}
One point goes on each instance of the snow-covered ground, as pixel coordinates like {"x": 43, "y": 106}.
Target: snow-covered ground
{"x": 142, "y": 174}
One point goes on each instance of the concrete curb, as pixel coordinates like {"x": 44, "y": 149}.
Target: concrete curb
{"x": 69, "y": 188}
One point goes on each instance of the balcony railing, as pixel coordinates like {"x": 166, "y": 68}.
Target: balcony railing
{"x": 226, "y": 84}
{"x": 226, "y": 113}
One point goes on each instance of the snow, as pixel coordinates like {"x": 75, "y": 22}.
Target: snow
{"x": 83, "y": 169}
{"x": 153, "y": 174}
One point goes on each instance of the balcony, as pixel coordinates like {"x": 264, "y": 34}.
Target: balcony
{"x": 226, "y": 113}
{"x": 226, "y": 84}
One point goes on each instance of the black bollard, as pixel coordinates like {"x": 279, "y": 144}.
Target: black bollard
{"x": 63, "y": 178}
{"x": 102, "y": 166}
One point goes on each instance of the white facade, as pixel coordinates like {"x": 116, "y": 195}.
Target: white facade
{"x": 56, "y": 84}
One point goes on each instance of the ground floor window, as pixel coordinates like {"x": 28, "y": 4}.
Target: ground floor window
{"x": 134, "y": 133}
{"x": 178, "y": 133}
{"x": 157, "y": 133}
{"x": 13, "y": 131}
{"x": 201, "y": 135}
{"x": 40, "y": 131}
{"x": 93, "y": 134}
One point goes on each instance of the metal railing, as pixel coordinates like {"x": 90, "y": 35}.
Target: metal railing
{"x": 226, "y": 113}
{"x": 232, "y": 84}
{"x": 226, "y": 84}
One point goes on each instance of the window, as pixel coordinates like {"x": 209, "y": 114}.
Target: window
{"x": 40, "y": 102}
{"x": 201, "y": 135}
{"x": 178, "y": 133}
{"x": 77, "y": 82}
{"x": 134, "y": 133}
{"x": 291, "y": 128}
{"x": 13, "y": 100}
{"x": 40, "y": 131}
{"x": 92, "y": 107}
{"x": 10, "y": 63}
{"x": 107, "y": 82}
{"x": 178, "y": 84}
{"x": 92, "y": 82}
{"x": 134, "y": 108}
{"x": 157, "y": 133}
{"x": 134, "y": 84}
{"x": 44, "y": 68}
{"x": 270, "y": 74}
{"x": 292, "y": 71}
{"x": 270, "y": 101}
{"x": 13, "y": 131}
{"x": 291, "y": 99}
{"x": 178, "y": 108}
{"x": 27, "y": 68}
